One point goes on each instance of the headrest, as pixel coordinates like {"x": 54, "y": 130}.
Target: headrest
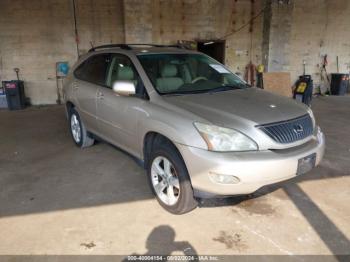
{"x": 169, "y": 71}
{"x": 125, "y": 73}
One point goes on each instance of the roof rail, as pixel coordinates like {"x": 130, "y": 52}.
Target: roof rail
{"x": 156, "y": 45}
{"x": 129, "y": 46}
{"x": 122, "y": 46}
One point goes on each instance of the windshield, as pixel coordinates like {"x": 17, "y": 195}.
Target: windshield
{"x": 188, "y": 73}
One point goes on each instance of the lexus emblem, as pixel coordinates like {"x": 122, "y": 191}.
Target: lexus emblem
{"x": 298, "y": 129}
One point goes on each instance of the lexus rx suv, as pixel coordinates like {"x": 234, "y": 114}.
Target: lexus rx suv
{"x": 200, "y": 130}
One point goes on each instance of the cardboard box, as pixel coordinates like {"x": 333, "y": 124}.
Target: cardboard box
{"x": 278, "y": 82}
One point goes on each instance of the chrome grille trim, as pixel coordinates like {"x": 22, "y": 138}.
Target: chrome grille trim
{"x": 289, "y": 131}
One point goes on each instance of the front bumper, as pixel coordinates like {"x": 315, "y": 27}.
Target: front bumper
{"x": 253, "y": 169}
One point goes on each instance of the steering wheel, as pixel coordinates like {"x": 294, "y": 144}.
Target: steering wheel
{"x": 198, "y": 79}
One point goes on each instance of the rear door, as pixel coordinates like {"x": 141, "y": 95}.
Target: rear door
{"x": 118, "y": 116}
{"x": 89, "y": 76}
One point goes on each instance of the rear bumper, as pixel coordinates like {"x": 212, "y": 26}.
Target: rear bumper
{"x": 253, "y": 169}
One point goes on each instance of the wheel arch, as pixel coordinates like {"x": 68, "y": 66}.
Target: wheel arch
{"x": 150, "y": 139}
{"x": 187, "y": 201}
{"x": 69, "y": 106}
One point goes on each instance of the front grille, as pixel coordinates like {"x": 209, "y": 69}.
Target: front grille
{"x": 289, "y": 131}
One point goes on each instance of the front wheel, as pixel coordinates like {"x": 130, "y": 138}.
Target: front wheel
{"x": 169, "y": 179}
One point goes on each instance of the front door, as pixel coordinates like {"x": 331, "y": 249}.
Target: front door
{"x": 118, "y": 116}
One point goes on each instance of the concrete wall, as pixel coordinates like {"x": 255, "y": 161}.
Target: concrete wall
{"x": 34, "y": 35}
{"x": 279, "y": 40}
{"x": 138, "y": 21}
{"x": 307, "y": 30}
{"x": 325, "y": 30}
{"x": 99, "y": 22}
{"x": 167, "y": 21}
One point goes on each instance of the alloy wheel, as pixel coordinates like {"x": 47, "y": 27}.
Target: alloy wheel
{"x": 75, "y": 127}
{"x": 165, "y": 180}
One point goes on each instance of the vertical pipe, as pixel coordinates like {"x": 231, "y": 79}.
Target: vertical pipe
{"x": 251, "y": 25}
{"x": 266, "y": 34}
{"x": 337, "y": 64}
{"x": 75, "y": 28}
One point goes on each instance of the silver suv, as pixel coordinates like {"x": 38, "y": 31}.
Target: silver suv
{"x": 200, "y": 130}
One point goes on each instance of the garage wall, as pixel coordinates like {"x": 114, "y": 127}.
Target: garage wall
{"x": 34, "y": 35}
{"x": 326, "y": 30}
{"x": 307, "y": 30}
{"x": 167, "y": 21}
{"x": 100, "y": 22}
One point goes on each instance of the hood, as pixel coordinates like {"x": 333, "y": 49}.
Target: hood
{"x": 228, "y": 107}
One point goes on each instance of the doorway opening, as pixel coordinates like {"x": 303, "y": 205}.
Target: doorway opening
{"x": 213, "y": 48}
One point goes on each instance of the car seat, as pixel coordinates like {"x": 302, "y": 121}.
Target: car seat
{"x": 169, "y": 81}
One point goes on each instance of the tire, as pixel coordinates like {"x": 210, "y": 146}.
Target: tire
{"x": 183, "y": 200}
{"x": 78, "y": 131}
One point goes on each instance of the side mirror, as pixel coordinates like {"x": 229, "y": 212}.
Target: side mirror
{"x": 124, "y": 88}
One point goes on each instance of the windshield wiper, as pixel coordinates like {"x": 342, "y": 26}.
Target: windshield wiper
{"x": 222, "y": 88}
{"x": 185, "y": 92}
{"x": 211, "y": 90}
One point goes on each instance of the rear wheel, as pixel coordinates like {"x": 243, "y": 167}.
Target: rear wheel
{"x": 79, "y": 133}
{"x": 169, "y": 179}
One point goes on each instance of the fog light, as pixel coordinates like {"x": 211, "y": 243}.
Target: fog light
{"x": 223, "y": 179}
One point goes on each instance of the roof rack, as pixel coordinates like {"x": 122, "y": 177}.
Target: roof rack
{"x": 122, "y": 46}
{"x": 129, "y": 46}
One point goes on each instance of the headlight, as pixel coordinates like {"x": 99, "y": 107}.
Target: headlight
{"x": 312, "y": 116}
{"x": 225, "y": 139}
{"x": 320, "y": 137}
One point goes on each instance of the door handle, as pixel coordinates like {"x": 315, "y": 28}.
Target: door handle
{"x": 75, "y": 86}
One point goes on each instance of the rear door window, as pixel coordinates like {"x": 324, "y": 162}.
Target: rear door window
{"x": 94, "y": 69}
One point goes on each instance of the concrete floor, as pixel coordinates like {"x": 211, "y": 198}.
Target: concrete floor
{"x": 58, "y": 199}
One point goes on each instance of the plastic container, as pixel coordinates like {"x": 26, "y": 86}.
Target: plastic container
{"x": 15, "y": 96}
{"x": 304, "y": 89}
{"x": 340, "y": 84}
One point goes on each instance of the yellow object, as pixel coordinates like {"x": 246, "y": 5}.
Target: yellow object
{"x": 260, "y": 68}
{"x": 301, "y": 87}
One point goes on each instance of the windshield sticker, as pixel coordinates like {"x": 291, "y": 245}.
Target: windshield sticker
{"x": 220, "y": 69}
